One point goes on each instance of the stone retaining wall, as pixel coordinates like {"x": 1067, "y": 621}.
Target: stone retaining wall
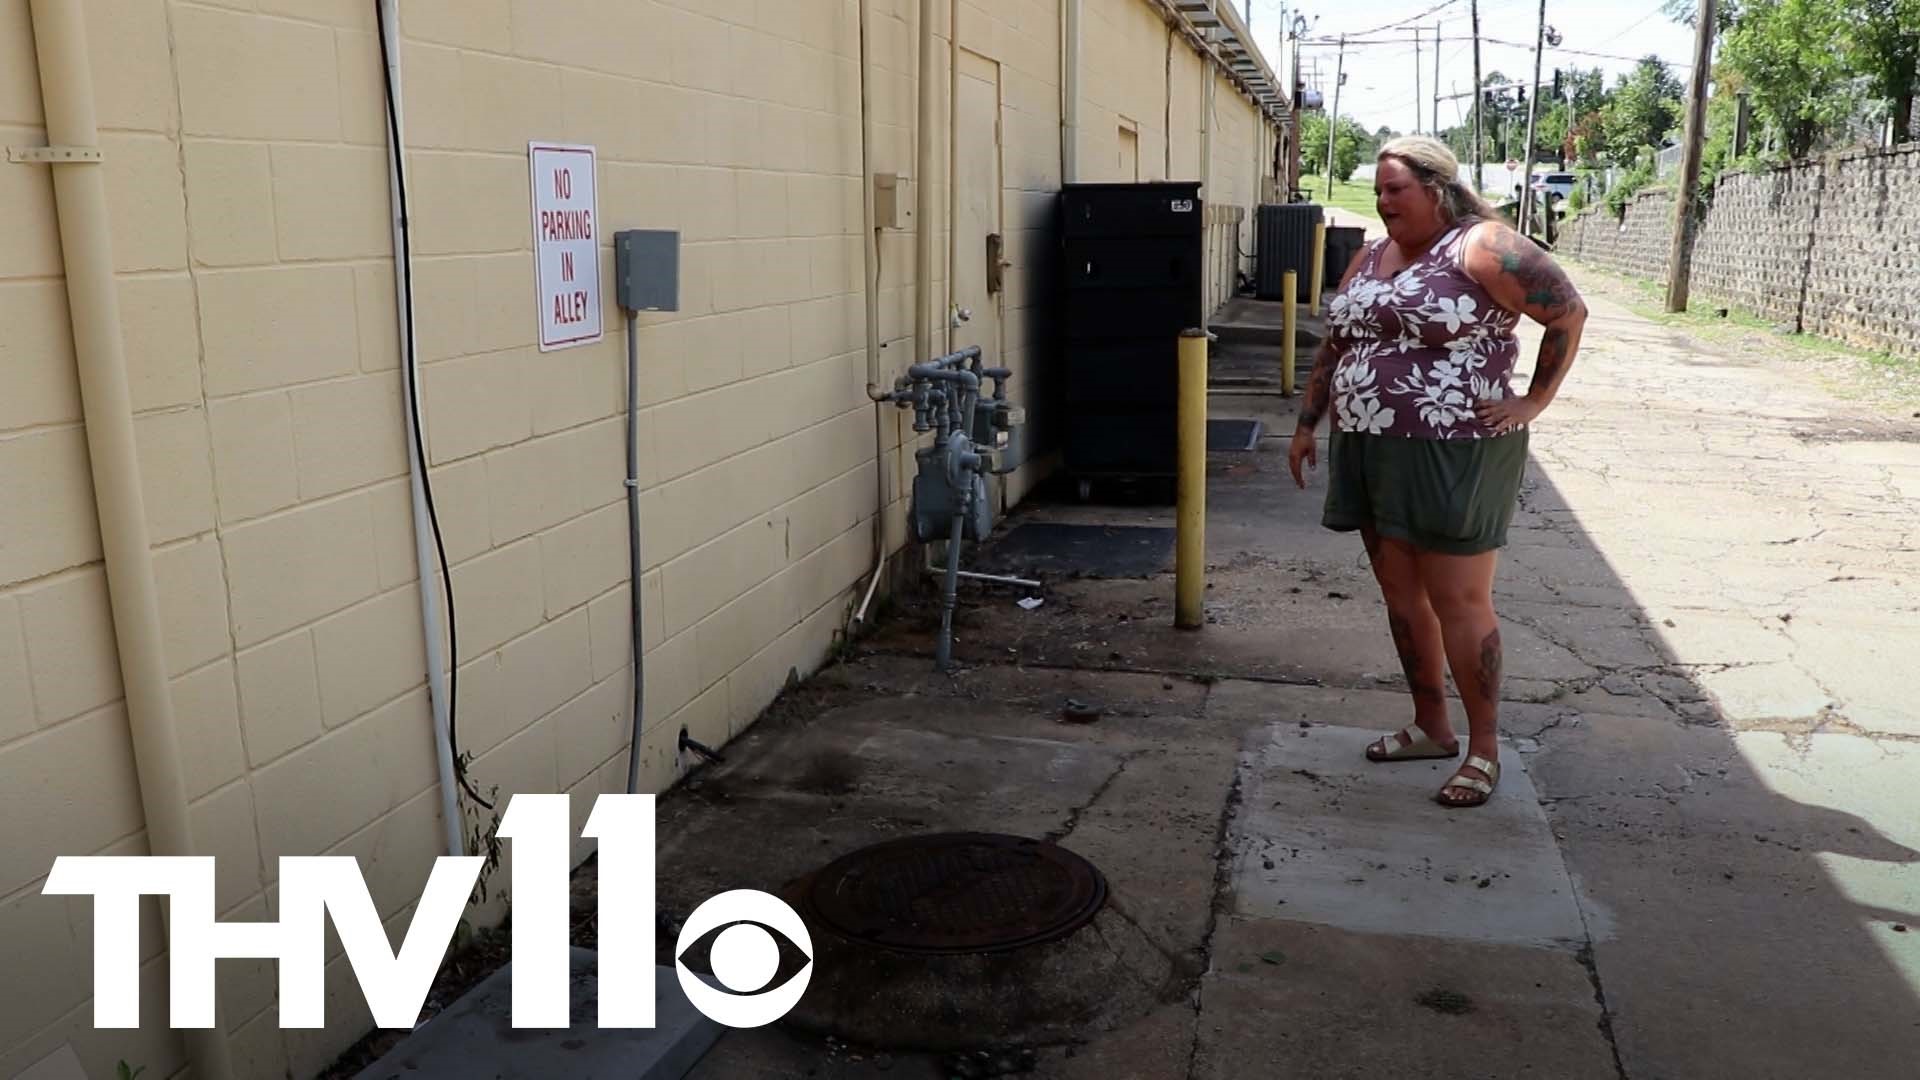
{"x": 1829, "y": 247}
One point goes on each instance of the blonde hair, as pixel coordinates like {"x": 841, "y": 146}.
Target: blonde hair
{"x": 1439, "y": 172}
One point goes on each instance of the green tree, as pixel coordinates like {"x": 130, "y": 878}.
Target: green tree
{"x": 1351, "y": 145}
{"x": 1883, "y": 42}
{"x": 1794, "y": 59}
{"x": 1641, "y": 111}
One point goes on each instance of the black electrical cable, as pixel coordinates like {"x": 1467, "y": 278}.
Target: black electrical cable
{"x": 405, "y": 269}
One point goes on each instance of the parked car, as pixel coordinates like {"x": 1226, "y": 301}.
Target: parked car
{"x": 1560, "y": 184}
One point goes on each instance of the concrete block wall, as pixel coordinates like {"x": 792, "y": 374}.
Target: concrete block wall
{"x": 1866, "y": 253}
{"x": 1826, "y": 247}
{"x": 246, "y": 171}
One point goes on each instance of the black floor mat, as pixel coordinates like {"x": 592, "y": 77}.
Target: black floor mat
{"x": 1106, "y": 551}
{"x": 1233, "y": 434}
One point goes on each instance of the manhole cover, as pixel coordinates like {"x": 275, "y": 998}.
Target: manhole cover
{"x": 957, "y": 893}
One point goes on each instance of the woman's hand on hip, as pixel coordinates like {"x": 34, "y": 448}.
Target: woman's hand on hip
{"x": 1509, "y": 414}
{"x": 1304, "y": 448}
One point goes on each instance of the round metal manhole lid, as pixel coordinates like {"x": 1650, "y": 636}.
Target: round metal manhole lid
{"x": 957, "y": 893}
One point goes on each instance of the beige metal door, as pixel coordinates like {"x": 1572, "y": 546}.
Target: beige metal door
{"x": 979, "y": 233}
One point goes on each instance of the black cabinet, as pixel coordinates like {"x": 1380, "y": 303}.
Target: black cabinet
{"x": 1133, "y": 260}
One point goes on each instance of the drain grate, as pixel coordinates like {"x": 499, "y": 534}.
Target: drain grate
{"x": 957, "y": 893}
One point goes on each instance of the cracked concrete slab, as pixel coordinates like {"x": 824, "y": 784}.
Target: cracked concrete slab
{"x": 1326, "y": 837}
{"x": 1292, "y": 999}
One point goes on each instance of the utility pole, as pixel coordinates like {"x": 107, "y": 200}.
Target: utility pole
{"x": 1416, "y": 80}
{"x": 1533, "y": 109}
{"x": 1479, "y": 103}
{"x": 1680, "y": 259}
{"x": 1333, "y": 118}
{"x": 1436, "y": 79}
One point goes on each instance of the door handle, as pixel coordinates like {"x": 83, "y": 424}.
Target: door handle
{"x": 996, "y": 263}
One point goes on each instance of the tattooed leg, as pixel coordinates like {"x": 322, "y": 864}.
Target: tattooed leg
{"x": 1460, "y": 588}
{"x": 1416, "y": 633}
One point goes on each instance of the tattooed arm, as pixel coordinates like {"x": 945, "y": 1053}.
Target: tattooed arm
{"x": 1319, "y": 391}
{"x": 1521, "y": 277}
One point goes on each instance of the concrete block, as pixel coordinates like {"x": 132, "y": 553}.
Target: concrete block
{"x": 577, "y": 386}
{"x": 705, "y": 579}
{"x": 706, "y": 428}
{"x": 279, "y": 697}
{"x": 363, "y": 105}
{"x": 349, "y": 433}
{"x": 610, "y": 632}
{"x": 376, "y": 307}
{"x": 222, "y": 825}
{"x": 288, "y": 570}
{"x": 460, "y": 499}
{"x": 484, "y": 25}
{"x": 47, "y": 471}
{"x": 530, "y": 487}
{"x": 500, "y": 597}
{"x": 28, "y": 195}
{"x": 176, "y": 471}
{"x": 206, "y": 705}
{"x": 331, "y": 202}
{"x": 390, "y": 505}
{"x": 159, "y": 328}
{"x": 396, "y": 853}
{"x": 52, "y": 808}
{"x": 743, "y": 627}
{"x": 591, "y": 729}
{"x": 473, "y": 1035}
{"x": 146, "y": 204}
{"x": 369, "y": 655}
{"x": 242, "y": 76}
{"x": 475, "y": 405}
{"x": 313, "y": 799}
{"x": 192, "y": 584}
{"x": 504, "y": 315}
{"x": 584, "y": 558}
{"x": 276, "y": 327}
{"x": 509, "y": 101}
{"x": 230, "y": 208}
{"x": 254, "y": 470}
{"x": 621, "y": 37}
{"x": 520, "y": 683}
{"x": 69, "y": 625}
{"x": 16, "y": 681}
{"x": 37, "y": 354}
{"x": 469, "y": 204}
{"x": 38, "y": 934}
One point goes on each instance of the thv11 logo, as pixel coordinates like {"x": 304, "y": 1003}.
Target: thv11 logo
{"x": 745, "y": 957}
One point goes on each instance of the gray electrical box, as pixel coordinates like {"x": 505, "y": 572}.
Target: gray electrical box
{"x": 646, "y": 269}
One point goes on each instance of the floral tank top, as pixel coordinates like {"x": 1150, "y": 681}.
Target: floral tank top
{"x": 1419, "y": 351}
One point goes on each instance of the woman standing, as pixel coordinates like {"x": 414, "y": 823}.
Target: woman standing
{"x": 1429, "y": 441}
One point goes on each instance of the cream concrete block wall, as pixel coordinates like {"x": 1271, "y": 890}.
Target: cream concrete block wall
{"x": 245, "y": 165}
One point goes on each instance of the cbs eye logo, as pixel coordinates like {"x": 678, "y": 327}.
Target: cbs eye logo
{"x": 744, "y": 957}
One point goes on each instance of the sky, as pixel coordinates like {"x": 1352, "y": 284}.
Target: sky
{"x": 1380, "y": 86}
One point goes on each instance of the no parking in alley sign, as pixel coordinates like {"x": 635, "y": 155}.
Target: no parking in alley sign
{"x": 565, "y": 244}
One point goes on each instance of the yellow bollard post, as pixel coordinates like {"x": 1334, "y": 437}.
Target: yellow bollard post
{"x": 1319, "y": 279}
{"x": 1290, "y": 291}
{"x": 1190, "y": 559}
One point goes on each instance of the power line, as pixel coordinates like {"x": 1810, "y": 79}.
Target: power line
{"x": 1441, "y": 6}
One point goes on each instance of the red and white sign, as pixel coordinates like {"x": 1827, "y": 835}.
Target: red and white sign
{"x": 566, "y": 244}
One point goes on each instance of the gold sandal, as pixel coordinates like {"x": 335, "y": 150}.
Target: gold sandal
{"x": 1418, "y": 747}
{"x": 1482, "y": 789}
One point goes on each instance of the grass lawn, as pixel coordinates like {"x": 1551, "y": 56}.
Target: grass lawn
{"x": 1349, "y": 196}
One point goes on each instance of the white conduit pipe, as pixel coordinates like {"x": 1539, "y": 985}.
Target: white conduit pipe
{"x": 870, "y": 252}
{"x": 1070, "y": 91}
{"x": 423, "y": 551}
{"x": 106, "y": 401}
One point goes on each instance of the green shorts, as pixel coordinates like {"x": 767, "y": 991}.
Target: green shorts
{"x": 1453, "y": 496}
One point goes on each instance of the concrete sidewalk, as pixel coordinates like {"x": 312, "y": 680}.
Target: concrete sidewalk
{"x": 1702, "y": 861}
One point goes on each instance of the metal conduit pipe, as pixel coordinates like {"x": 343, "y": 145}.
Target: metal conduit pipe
{"x": 93, "y": 304}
